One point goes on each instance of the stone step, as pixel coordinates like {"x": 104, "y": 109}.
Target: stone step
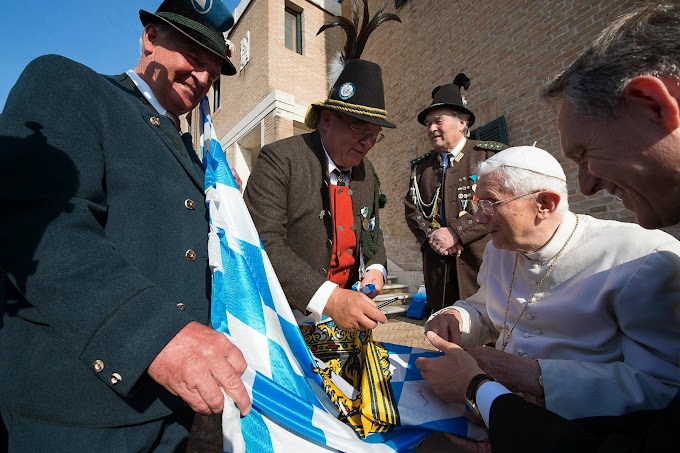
{"x": 393, "y": 288}
{"x": 394, "y": 311}
{"x": 402, "y": 298}
{"x": 392, "y": 279}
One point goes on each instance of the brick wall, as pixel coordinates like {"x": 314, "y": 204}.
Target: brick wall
{"x": 273, "y": 66}
{"x": 241, "y": 92}
{"x": 509, "y": 49}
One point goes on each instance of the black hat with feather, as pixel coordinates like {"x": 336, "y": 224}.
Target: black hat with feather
{"x": 356, "y": 85}
{"x": 449, "y": 96}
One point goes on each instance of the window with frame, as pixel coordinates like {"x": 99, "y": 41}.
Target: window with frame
{"x": 216, "y": 94}
{"x": 293, "y": 31}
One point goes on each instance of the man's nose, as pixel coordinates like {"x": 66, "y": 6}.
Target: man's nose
{"x": 588, "y": 183}
{"x": 203, "y": 77}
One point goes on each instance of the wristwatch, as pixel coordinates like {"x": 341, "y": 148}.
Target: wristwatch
{"x": 471, "y": 394}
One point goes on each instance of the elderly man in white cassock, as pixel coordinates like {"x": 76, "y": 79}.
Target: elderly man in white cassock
{"x": 584, "y": 313}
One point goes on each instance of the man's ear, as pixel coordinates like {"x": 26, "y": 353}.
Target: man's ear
{"x": 658, "y": 97}
{"x": 547, "y": 204}
{"x": 325, "y": 121}
{"x": 149, "y": 38}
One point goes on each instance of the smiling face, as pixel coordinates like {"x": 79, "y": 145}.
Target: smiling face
{"x": 444, "y": 129}
{"x": 344, "y": 145}
{"x": 628, "y": 157}
{"x": 179, "y": 71}
{"x": 513, "y": 224}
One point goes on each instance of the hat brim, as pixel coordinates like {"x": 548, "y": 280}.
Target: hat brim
{"x": 146, "y": 17}
{"x": 457, "y": 108}
{"x": 369, "y": 119}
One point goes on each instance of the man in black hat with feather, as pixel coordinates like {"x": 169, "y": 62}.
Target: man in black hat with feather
{"x": 315, "y": 201}
{"x": 439, "y": 201}
{"x": 104, "y": 282}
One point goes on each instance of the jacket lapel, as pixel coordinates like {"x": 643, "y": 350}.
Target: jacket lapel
{"x": 179, "y": 146}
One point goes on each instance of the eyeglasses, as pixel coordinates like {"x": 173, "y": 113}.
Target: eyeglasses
{"x": 363, "y": 134}
{"x": 490, "y": 207}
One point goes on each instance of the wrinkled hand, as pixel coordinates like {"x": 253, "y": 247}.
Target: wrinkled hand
{"x": 463, "y": 444}
{"x": 445, "y": 242}
{"x": 196, "y": 363}
{"x": 239, "y": 183}
{"x": 447, "y": 325}
{"x": 375, "y": 277}
{"x": 518, "y": 374}
{"x": 450, "y": 374}
{"x": 353, "y": 310}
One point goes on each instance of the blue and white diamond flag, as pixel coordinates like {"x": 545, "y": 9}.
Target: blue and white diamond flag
{"x": 290, "y": 411}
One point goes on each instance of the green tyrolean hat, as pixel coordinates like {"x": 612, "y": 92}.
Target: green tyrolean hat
{"x": 204, "y": 27}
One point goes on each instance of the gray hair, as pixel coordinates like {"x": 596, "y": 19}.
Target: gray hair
{"x": 460, "y": 115}
{"x": 163, "y": 30}
{"x": 519, "y": 181}
{"x": 645, "y": 41}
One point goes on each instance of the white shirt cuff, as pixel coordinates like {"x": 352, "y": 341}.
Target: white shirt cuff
{"x": 379, "y": 267}
{"x": 320, "y": 299}
{"x": 486, "y": 394}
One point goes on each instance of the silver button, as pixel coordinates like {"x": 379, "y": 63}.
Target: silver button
{"x": 181, "y": 306}
{"x": 530, "y": 317}
{"x": 539, "y": 332}
{"x": 115, "y": 378}
{"x": 155, "y": 121}
{"x": 526, "y": 335}
{"x": 190, "y": 255}
{"x": 469, "y": 222}
{"x": 520, "y": 352}
{"x": 459, "y": 228}
{"x": 98, "y": 366}
{"x": 329, "y": 243}
{"x": 340, "y": 228}
{"x": 349, "y": 192}
{"x": 189, "y": 204}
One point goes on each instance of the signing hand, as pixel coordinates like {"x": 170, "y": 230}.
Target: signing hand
{"x": 518, "y": 374}
{"x": 445, "y": 242}
{"x": 353, "y": 310}
{"x": 450, "y": 374}
{"x": 196, "y": 363}
{"x": 447, "y": 325}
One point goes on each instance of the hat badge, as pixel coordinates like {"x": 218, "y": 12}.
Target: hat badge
{"x": 202, "y": 6}
{"x": 346, "y": 91}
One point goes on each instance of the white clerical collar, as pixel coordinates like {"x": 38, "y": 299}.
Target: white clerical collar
{"x": 561, "y": 236}
{"x": 456, "y": 149}
{"x": 144, "y": 88}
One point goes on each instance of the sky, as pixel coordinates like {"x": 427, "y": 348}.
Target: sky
{"x": 102, "y": 34}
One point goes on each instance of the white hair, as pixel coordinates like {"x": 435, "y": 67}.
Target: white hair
{"x": 518, "y": 181}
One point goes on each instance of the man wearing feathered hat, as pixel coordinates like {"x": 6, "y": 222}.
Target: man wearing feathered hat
{"x": 315, "y": 199}
{"x": 439, "y": 200}
{"x": 104, "y": 342}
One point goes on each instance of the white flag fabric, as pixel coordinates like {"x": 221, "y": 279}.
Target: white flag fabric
{"x": 290, "y": 411}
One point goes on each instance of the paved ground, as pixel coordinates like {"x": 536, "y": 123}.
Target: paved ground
{"x": 403, "y": 330}
{"x": 206, "y": 434}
